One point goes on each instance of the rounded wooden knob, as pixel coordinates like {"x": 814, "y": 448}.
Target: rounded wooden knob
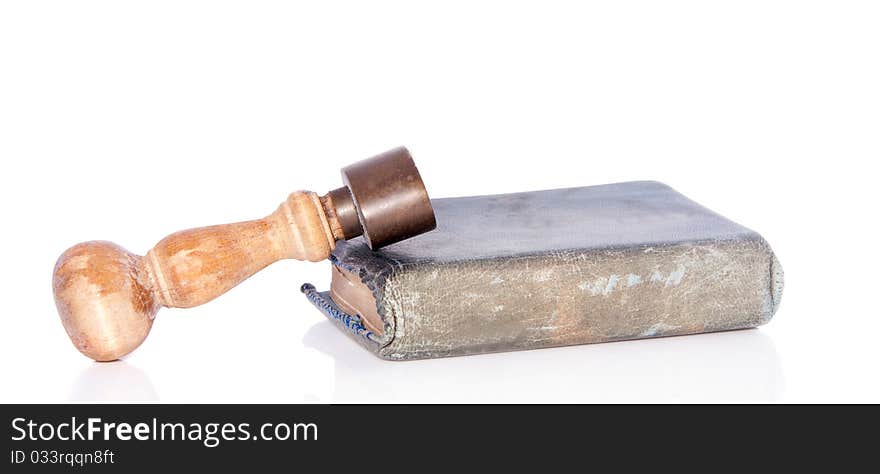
{"x": 103, "y": 298}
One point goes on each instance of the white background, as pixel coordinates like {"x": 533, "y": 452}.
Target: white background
{"x": 128, "y": 121}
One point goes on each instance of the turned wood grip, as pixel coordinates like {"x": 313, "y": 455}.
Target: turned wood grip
{"x": 107, "y": 297}
{"x": 194, "y": 266}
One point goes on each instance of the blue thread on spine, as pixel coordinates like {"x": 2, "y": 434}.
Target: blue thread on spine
{"x": 352, "y": 323}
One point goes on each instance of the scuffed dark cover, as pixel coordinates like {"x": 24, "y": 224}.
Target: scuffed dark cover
{"x": 558, "y": 267}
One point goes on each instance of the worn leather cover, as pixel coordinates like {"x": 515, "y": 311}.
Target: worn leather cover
{"x": 559, "y": 267}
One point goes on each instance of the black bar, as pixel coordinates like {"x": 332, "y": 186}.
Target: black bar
{"x": 246, "y": 436}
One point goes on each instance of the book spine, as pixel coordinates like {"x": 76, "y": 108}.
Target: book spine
{"x": 580, "y": 297}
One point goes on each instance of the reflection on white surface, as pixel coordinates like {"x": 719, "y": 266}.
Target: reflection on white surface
{"x": 738, "y": 366}
{"x": 113, "y": 381}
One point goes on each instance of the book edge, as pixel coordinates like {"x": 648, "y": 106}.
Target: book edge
{"x": 770, "y": 303}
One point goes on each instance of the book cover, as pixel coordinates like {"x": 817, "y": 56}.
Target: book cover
{"x": 553, "y": 268}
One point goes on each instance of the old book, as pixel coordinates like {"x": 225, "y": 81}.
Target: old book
{"x": 552, "y": 268}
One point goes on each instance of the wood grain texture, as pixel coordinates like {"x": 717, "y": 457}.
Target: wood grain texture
{"x": 107, "y": 297}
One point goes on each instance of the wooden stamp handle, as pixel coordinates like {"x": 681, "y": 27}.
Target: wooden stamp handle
{"x": 107, "y": 297}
